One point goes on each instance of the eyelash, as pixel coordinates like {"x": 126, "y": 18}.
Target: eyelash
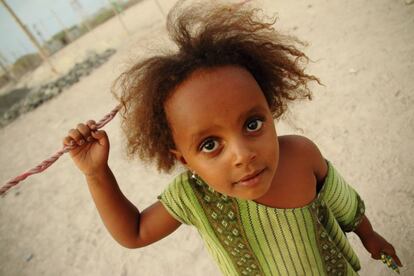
{"x": 213, "y": 139}
{"x": 255, "y": 119}
{"x": 205, "y": 142}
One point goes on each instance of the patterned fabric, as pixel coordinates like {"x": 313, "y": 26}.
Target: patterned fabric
{"x": 247, "y": 238}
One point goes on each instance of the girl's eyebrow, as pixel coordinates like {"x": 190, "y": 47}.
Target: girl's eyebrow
{"x": 196, "y": 136}
{"x": 254, "y": 109}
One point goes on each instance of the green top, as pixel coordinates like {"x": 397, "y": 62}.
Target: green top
{"x": 247, "y": 238}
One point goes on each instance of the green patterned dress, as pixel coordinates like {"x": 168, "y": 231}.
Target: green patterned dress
{"x": 247, "y": 238}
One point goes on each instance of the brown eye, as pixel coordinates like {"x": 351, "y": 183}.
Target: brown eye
{"x": 209, "y": 145}
{"x": 254, "y": 125}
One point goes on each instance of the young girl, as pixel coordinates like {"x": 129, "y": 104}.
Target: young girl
{"x": 263, "y": 204}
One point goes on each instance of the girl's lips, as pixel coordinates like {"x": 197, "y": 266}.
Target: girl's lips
{"x": 251, "y": 179}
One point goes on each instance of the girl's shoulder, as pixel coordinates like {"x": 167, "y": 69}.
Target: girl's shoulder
{"x": 300, "y": 150}
{"x": 298, "y": 173}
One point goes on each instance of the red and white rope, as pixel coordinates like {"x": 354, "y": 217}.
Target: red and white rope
{"x": 48, "y": 162}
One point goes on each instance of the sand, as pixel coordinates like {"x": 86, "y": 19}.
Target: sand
{"x": 362, "y": 120}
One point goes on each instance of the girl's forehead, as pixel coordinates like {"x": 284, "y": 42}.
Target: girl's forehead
{"x": 214, "y": 96}
{"x": 213, "y": 84}
{"x": 226, "y": 74}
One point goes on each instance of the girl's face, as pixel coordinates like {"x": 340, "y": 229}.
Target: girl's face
{"x": 223, "y": 130}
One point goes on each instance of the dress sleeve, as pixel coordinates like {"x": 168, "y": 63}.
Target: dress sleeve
{"x": 344, "y": 202}
{"x": 177, "y": 199}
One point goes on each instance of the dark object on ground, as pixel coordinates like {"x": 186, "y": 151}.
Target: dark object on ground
{"x": 22, "y": 100}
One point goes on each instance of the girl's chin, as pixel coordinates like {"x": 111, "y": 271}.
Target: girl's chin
{"x": 253, "y": 189}
{"x": 253, "y": 194}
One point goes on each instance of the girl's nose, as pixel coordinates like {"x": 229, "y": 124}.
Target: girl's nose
{"x": 243, "y": 154}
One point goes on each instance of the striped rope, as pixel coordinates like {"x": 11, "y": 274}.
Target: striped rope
{"x": 48, "y": 162}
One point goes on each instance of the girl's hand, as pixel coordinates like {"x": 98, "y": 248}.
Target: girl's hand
{"x": 375, "y": 244}
{"x": 91, "y": 153}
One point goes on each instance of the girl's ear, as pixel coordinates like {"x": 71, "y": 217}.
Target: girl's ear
{"x": 179, "y": 156}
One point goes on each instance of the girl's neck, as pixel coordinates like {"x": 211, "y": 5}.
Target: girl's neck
{"x": 294, "y": 183}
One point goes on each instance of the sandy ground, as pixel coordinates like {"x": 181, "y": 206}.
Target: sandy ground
{"x": 362, "y": 119}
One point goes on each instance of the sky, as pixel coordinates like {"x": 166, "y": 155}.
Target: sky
{"x": 38, "y": 14}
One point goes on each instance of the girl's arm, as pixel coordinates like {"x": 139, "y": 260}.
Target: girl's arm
{"x": 126, "y": 224}
{"x": 374, "y": 242}
{"x": 123, "y": 220}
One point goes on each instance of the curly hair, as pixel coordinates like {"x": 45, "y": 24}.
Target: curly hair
{"x": 207, "y": 36}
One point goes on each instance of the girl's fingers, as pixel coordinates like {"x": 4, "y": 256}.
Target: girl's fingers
{"x": 85, "y": 131}
{"x": 68, "y": 141}
{"x": 98, "y": 135}
{"x": 391, "y": 252}
{"x": 91, "y": 124}
{"x": 397, "y": 260}
{"x": 82, "y": 133}
{"x": 76, "y": 136}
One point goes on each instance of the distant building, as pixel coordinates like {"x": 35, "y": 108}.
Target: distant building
{"x": 52, "y": 46}
{"x": 62, "y": 38}
{"x": 4, "y": 79}
{"x": 74, "y": 32}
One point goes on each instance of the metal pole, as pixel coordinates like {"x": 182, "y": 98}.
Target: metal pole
{"x": 79, "y": 10}
{"x": 3, "y": 65}
{"x": 30, "y": 36}
{"x": 159, "y": 7}
{"x": 63, "y": 26}
{"x": 115, "y": 11}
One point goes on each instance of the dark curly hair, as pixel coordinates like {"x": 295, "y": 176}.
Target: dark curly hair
{"x": 207, "y": 36}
